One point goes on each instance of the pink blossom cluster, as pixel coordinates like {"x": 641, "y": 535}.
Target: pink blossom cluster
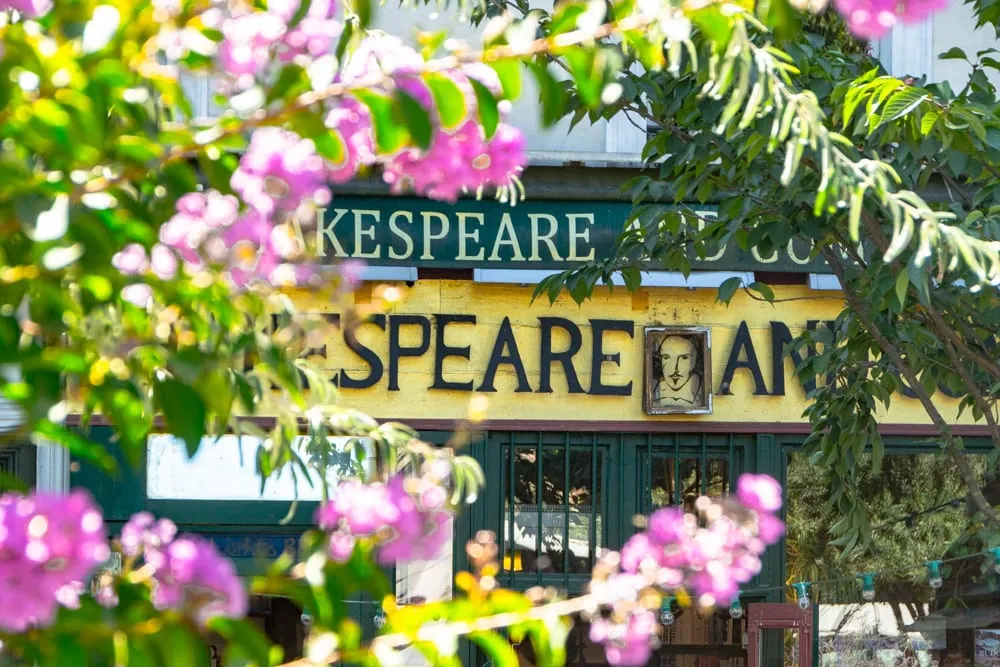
{"x": 407, "y": 518}
{"x": 27, "y": 8}
{"x": 193, "y": 232}
{"x": 709, "y": 554}
{"x": 252, "y": 40}
{"x": 459, "y": 159}
{"x": 49, "y": 545}
{"x": 189, "y": 573}
{"x": 279, "y": 171}
{"x": 871, "y": 19}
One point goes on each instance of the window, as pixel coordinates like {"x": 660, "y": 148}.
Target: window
{"x": 225, "y": 468}
{"x": 676, "y": 470}
{"x": 553, "y": 504}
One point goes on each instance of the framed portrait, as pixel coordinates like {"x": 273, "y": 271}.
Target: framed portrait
{"x": 678, "y": 371}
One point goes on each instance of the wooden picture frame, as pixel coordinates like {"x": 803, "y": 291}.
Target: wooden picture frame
{"x": 687, "y": 354}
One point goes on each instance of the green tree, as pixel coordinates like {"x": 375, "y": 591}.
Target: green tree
{"x": 134, "y": 280}
{"x": 921, "y": 313}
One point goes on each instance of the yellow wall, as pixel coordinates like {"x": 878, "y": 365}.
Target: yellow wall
{"x": 654, "y": 306}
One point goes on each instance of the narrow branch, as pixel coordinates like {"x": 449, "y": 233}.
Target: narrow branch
{"x": 952, "y": 447}
{"x": 977, "y": 395}
{"x": 428, "y": 633}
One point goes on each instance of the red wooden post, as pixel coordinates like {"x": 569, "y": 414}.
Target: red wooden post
{"x": 768, "y": 616}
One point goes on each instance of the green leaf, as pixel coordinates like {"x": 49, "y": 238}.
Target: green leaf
{"x": 246, "y": 644}
{"x": 954, "y": 53}
{"x": 728, "y": 289}
{"x": 901, "y": 104}
{"x": 764, "y": 289}
{"x": 300, "y": 13}
{"x": 292, "y": 82}
{"x": 180, "y": 646}
{"x": 486, "y": 108}
{"x": 329, "y": 143}
{"x": 509, "y": 72}
{"x": 902, "y": 284}
{"x": 551, "y": 94}
{"x": 418, "y": 121}
{"x": 496, "y": 647}
{"x": 184, "y": 411}
{"x": 448, "y": 99}
{"x": 363, "y": 10}
{"x": 219, "y": 172}
{"x": 390, "y": 136}
{"x": 587, "y": 75}
{"x": 928, "y": 121}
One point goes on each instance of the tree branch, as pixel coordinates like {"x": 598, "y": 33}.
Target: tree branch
{"x": 952, "y": 445}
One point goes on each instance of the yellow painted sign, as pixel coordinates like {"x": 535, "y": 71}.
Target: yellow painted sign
{"x": 538, "y": 361}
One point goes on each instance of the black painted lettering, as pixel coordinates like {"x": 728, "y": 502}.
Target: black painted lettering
{"x": 780, "y": 337}
{"x": 548, "y": 357}
{"x": 505, "y": 352}
{"x": 442, "y": 351}
{"x": 743, "y": 346}
{"x": 599, "y": 358}
{"x": 366, "y": 354}
{"x": 396, "y": 349}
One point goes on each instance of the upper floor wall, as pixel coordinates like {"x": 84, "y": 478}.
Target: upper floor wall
{"x": 615, "y": 143}
{"x": 913, "y": 50}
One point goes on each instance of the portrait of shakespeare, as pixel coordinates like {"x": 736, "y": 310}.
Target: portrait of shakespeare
{"x": 676, "y": 366}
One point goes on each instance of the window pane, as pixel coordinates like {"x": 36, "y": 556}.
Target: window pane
{"x": 553, "y": 509}
{"x": 661, "y": 482}
{"x": 522, "y": 534}
{"x": 567, "y": 510}
{"x": 584, "y": 509}
{"x": 690, "y": 483}
{"x": 718, "y": 477}
{"x": 224, "y": 468}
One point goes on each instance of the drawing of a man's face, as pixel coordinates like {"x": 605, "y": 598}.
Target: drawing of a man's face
{"x": 678, "y": 356}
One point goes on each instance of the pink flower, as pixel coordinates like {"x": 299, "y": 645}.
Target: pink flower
{"x": 280, "y": 170}
{"x": 351, "y": 272}
{"x": 192, "y": 576}
{"x": 640, "y": 552}
{"x": 352, "y": 122}
{"x": 770, "y": 528}
{"x": 131, "y": 259}
{"x": 199, "y": 216}
{"x": 245, "y": 52}
{"x": 315, "y": 35}
{"x": 143, "y": 531}
{"x": 759, "y": 492}
{"x": 49, "y": 545}
{"x": 137, "y": 294}
{"x": 629, "y": 643}
{"x": 406, "y": 526}
{"x": 871, "y": 19}
{"x": 28, "y": 8}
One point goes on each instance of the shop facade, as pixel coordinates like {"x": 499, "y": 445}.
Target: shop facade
{"x": 595, "y": 413}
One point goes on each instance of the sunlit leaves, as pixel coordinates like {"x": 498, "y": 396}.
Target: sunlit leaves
{"x": 390, "y": 136}
{"x": 448, "y": 100}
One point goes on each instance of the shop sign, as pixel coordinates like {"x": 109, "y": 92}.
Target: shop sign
{"x": 619, "y": 356}
{"x": 676, "y": 367}
{"x": 534, "y": 234}
{"x": 254, "y": 546}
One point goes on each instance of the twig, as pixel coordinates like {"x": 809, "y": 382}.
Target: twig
{"x": 952, "y": 447}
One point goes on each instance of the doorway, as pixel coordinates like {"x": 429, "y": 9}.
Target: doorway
{"x": 779, "y": 634}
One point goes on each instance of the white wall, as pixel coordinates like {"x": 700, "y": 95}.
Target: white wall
{"x": 616, "y": 142}
{"x": 589, "y": 143}
{"x": 956, "y": 26}
{"x": 913, "y": 50}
